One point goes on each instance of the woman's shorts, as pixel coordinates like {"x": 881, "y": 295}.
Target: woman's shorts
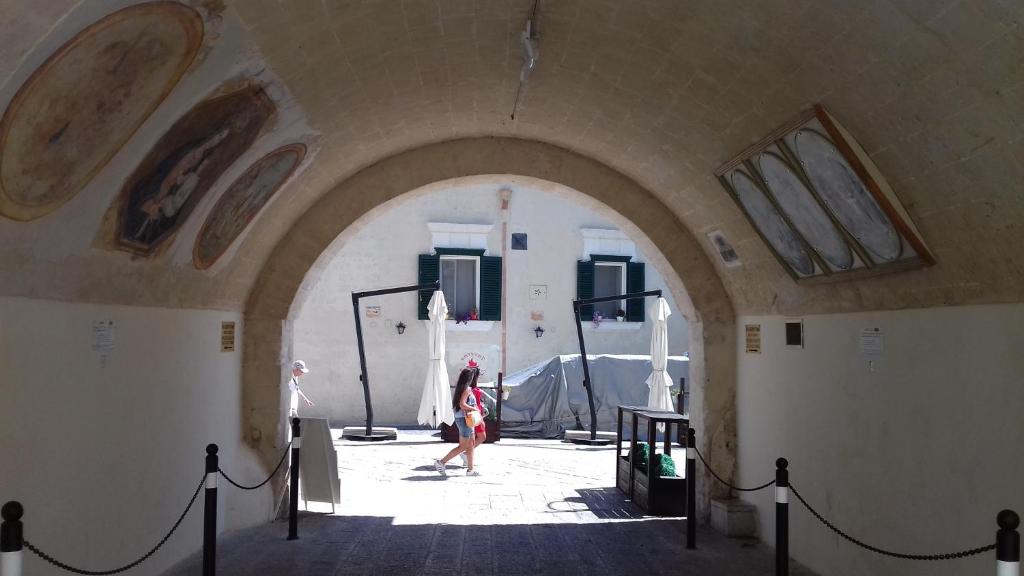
{"x": 464, "y": 430}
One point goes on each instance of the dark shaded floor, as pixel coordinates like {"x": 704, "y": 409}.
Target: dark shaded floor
{"x": 342, "y": 546}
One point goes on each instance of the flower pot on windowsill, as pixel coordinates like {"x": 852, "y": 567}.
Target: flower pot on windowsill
{"x": 620, "y": 318}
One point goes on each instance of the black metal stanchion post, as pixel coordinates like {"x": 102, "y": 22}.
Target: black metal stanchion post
{"x": 1007, "y": 544}
{"x": 210, "y": 513}
{"x": 11, "y": 539}
{"x": 691, "y": 488}
{"x": 681, "y": 409}
{"x": 781, "y": 517}
{"x": 293, "y": 495}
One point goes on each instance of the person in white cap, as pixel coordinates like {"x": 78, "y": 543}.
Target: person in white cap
{"x": 298, "y": 370}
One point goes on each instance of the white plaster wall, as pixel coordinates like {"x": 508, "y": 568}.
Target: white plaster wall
{"x": 384, "y": 253}
{"x": 105, "y": 457}
{"x": 913, "y": 450}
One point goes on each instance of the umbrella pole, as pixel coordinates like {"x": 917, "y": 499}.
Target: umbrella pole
{"x": 362, "y": 366}
{"x": 586, "y": 373}
{"x": 363, "y": 376}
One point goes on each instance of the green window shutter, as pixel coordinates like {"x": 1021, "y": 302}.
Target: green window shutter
{"x": 490, "y": 288}
{"x": 585, "y": 288}
{"x": 430, "y": 271}
{"x": 634, "y": 283}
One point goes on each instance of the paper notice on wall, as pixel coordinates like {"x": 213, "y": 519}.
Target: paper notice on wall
{"x": 872, "y": 341}
{"x": 753, "y": 337}
{"x": 104, "y": 339}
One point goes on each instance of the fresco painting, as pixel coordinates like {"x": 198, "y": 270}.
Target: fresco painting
{"x": 242, "y": 201}
{"x": 177, "y": 173}
{"x": 87, "y": 99}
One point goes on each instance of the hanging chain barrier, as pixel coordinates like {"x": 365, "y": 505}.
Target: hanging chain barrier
{"x": 830, "y": 526}
{"x": 719, "y": 478}
{"x": 145, "y": 557}
{"x": 277, "y": 468}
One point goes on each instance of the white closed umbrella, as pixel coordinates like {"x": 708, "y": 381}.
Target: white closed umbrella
{"x": 436, "y": 402}
{"x": 659, "y": 382}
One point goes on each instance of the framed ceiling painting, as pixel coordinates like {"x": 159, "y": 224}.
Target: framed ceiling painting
{"x": 242, "y": 201}
{"x": 87, "y": 99}
{"x": 816, "y": 199}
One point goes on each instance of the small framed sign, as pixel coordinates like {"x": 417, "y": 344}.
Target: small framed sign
{"x": 794, "y": 333}
{"x": 227, "y": 336}
{"x": 753, "y": 337}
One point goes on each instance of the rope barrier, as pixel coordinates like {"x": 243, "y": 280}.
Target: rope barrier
{"x": 145, "y": 557}
{"x": 260, "y": 485}
{"x": 719, "y": 478}
{"x": 830, "y": 526}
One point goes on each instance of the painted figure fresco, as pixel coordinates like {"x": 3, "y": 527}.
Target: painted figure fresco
{"x": 81, "y": 105}
{"x": 184, "y": 164}
{"x": 242, "y": 201}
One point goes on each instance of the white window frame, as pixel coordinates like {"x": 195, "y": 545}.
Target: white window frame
{"x": 476, "y": 296}
{"x": 622, "y": 280}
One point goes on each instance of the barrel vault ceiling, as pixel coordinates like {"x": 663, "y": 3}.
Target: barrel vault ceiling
{"x": 663, "y": 91}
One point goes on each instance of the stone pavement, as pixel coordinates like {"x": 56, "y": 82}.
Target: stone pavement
{"x": 540, "y": 507}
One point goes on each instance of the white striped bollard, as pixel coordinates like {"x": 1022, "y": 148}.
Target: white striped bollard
{"x": 781, "y": 517}
{"x": 11, "y": 539}
{"x": 210, "y": 513}
{"x": 1007, "y": 544}
{"x": 293, "y": 500}
{"x": 691, "y": 488}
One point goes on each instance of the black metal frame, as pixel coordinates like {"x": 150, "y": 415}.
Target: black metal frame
{"x": 576, "y": 304}
{"x": 363, "y": 376}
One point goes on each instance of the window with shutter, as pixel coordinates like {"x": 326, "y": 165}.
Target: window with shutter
{"x": 585, "y": 287}
{"x": 429, "y": 271}
{"x": 469, "y": 280}
{"x": 490, "y": 288}
{"x": 635, "y": 275}
{"x": 605, "y": 275}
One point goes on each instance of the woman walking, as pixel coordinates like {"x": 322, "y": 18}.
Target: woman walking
{"x": 464, "y": 403}
{"x": 480, "y": 432}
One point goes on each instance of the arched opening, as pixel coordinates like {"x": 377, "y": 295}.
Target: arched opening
{"x": 658, "y": 232}
{"x": 559, "y": 228}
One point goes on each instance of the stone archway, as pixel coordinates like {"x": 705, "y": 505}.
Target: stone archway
{"x": 712, "y": 319}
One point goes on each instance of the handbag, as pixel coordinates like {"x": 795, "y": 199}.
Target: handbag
{"x": 473, "y": 418}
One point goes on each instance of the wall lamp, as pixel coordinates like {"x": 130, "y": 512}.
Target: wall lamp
{"x": 400, "y": 327}
{"x": 538, "y": 331}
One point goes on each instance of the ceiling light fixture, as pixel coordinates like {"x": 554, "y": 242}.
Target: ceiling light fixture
{"x": 528, "y": 41}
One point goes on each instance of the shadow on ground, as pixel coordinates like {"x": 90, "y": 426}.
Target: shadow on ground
{"x": 358, "y": 545}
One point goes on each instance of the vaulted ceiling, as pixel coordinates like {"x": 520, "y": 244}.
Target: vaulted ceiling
{"x": 663, "y": 91}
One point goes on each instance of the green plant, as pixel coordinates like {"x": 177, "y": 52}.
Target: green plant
{"x": 664, "y": 465}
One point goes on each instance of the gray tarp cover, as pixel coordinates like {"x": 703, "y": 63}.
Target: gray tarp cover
{"x": 548, "y": 398}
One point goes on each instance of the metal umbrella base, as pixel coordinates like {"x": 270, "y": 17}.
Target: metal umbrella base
{"x": 584, "y": 437}
{"x": 358, "y": 433}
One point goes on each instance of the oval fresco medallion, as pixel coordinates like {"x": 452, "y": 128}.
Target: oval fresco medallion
{"x": 81, "y": 105}
{"x": 242, "y": 201}
{"x": 771, "y": 224}
{"x": 846, "y": 196}
{"x": 180, "y": 169}
{"x": 807, "y": 216}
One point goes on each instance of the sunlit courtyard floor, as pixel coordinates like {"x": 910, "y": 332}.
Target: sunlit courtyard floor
{"x": 539, "y": 507}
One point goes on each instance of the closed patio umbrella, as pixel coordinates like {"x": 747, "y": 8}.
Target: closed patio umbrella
{"x": 436, "y": 402}
{"x": 659, "y": 382}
